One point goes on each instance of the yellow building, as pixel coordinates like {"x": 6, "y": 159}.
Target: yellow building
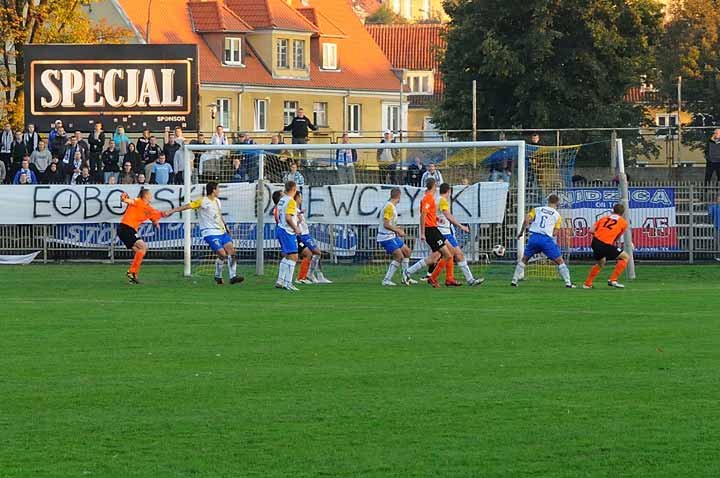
{"x": 418, "y": 10}
{"x": 262, "y": 60}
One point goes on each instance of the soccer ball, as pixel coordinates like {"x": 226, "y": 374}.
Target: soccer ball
{"x": 499, "y": 250}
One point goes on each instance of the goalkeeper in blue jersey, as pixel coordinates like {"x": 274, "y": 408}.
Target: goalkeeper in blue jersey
{"x": 543, "y": 224}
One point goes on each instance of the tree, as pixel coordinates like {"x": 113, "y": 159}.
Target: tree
{"x": 385, "y": 16}
{"x": 690, "y": 48}
{"x": 24, "y": 22}
{"x": 546, "y": 64}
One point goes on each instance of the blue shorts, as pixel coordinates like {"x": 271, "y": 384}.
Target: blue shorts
{"x": 392, "y": 245}
{"x": 288, "y": 242}
{"x": 305, "y": 241}
{"x": 450, "y": 239}
{"x": 218, "y": 242}
{"x": 542, "y": 243}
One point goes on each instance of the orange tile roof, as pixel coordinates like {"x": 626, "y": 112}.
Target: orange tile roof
{"x": 215, "y": 16}
{"x": 326, "y": 26}
{"x": 271, "y": 14}
{"x": 363, "y": 66}
{"x": 413, "y": 47}
{"x": 636, "y": 94}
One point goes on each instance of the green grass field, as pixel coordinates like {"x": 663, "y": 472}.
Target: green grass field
{"x": 175, "y": 378}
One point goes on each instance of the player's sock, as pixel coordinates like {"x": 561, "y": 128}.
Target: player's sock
{"x": 619, "y": 268}
{"x": 282, "y": 271}
{"x": 519, "y": 272}
{"x": 438, "y": 269}
{"x": 304, "y": 266}
{"x": 137, "y": 260}
{"x": 594, "y": 271}
{"x": 450, "y": 269}
{"x": 405, "y": 265}
{"x": 416, "y": 267}
{"x": 392, "y": 268}
{"x": 291, "y": 271}
{"x": 219, "y": 263}
{"x": 232, "y": 266}
{"x": 465, "y": 268}
{"x": 314, "y": 263}
{"x": 564, "y": 273}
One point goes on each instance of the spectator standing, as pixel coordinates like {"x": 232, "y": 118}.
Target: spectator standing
{"x": 58, "y": 141}
{"x": 178, "y": 161}
{"x": 143, "y": 142}
{"x": 134, "y": 158}
{"x": 533, "y": 163}
{"x": 19, "y": 151}
{"x": 712, "y": 157}
{"x": 170, "y": 149}
{"x": 71, "y": 148}
{"x": 112, "y": 180}
{"x": 199, "y": 140}
{"x": 96, "y": 141}
{"x": 82, "y": 144}
{"x": 140, "y": 179}
{"x": 25, "y": 169}
{"x": 84, "y": 177}
{"x": 388, "y": 159}
{"x": 53, "y": 174}
{"x": 219, "y": 136}
{"x": 161, "y": 172}
{"x": 345, "y": 159}
{"x": 239, "y": 172}
{"x": 31, "y": 138}
{"x": 433, "y": 173}
{"x": 6, "y": 141}
{"x": 415, "y": 172}
{"x": 121, "y": 141}
{"x": 300, "y": 127}
{"x": 714, "y": 213}
{"x": 152, "y": 152}
{"x": 111, "y": 162}
{"x": 127, "y": 175}
{"x": 54, "y": 131}
{"x": 294, "y": 175}
{"x": 41, "y": 157}
{"x": 3, "y": 172}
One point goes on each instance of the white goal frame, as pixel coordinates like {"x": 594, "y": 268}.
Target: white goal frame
{"x": 190, "y": 149}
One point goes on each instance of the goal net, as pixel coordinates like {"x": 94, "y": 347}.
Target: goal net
{"x": 345, "y": 187}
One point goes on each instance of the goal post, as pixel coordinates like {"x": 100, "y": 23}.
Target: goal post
{"x": 263, "y": 166}
{"x": 625, "y": 201}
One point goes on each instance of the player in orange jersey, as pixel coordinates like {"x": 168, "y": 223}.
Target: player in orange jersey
{"x": 606, "y": 231}
{"x": 138, "y": 211}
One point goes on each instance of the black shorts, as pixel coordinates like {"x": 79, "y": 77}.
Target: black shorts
{"x": 434, "y": 238}
{"x": 602, "y": 250}
{"x": 127, "y": 235}
{"x": 301, "y": 245}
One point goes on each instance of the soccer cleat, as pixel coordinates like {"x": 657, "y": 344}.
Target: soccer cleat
{"x": 219, "y": 281}
{"x": 615, "y": 284}
{"x": 411, "y": 281}
{"x": 513, "y": 283}
{"x": 585, "y": 286}
{"x": 291, "y": 288}
{"x": 425, "y": 279}
{"x": 433, "y": 283}
{"x": 452, "y": 283}
{"x": 132, "y": 278}
{"x": 406, "y": 279}
{"x": 388, "y": 283}
{"x": 304, "y": 281}
{"x": 570, "y": 286}
{"x": 321, "y": 279}
{"x": 237, "y": 280}
{"x": 279, "y": 285}
{"x": 477, "y": 281}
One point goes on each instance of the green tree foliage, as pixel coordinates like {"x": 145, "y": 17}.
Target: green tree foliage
{"x": 690, "y": 48}
{"x": 546, "y": 64}
{"x": 42, "y": 21}
{"x": 385, "y": 16}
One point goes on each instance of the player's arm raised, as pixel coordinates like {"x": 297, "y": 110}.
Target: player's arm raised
{"x": 127, "y": 199}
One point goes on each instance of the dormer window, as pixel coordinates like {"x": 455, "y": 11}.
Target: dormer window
{"x": 299, "y": 54}
{"x": 233, "y": 49}
{"x": 330, "y": 56}
{"x": 420, "y": 82}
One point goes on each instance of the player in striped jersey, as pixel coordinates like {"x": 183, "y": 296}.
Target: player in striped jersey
{"x": 310, "y": 271}
{"x": 446, "y": 221}
{"x": 286, "y": 233}
{"x": 390, "y": 238}
{"x": 543, "y": 223}
{"x": 214, "y": 232}
{"x": 606, "y": 232}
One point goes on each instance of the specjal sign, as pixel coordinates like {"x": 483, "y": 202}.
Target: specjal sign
{"x": 135, "y": 86}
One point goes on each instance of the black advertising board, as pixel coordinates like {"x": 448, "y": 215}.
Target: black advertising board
{"x": 136, "y": 86}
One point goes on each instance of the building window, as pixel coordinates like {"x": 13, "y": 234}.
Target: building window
{"x": 396, "y": 6}
{"x": 299, "y": 54}
{"x": 282, "y": 53}
{"x": 223, "y": 112}
{"x": 260, "y": 115}
{"x": 232, "y": 51}
{"x": 354, "y": 118}
{"x": 289, "y": 111}
{"x": 391, "y": 117}
{"x": 320, "y": 114}
{"x": 329, "y": 56}
{"x": 420, "y": 83}
{"x": 666, "y": 120}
